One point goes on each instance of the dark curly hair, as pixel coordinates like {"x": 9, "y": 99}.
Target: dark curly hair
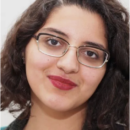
{"x": 109, "y": 103}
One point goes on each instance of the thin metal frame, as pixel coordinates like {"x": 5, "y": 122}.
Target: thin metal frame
{"x": 77, "y": 50}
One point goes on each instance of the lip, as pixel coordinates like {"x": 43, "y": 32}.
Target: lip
{"x": 61, "y": 83}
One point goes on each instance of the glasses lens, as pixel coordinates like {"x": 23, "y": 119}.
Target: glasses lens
{"x": 52, "y": 45}
{"x": 91, "y": 56}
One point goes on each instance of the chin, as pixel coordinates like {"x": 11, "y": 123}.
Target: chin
{"x": 57, "y": 103}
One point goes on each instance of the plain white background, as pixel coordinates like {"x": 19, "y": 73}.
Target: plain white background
{"x": 10, "y": 12}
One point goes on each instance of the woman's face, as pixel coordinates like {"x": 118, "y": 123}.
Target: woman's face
{"x": 47, "y": 75}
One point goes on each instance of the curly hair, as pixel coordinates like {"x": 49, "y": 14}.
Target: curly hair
{"x": 109, "y": 103}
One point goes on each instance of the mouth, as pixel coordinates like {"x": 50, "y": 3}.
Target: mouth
{"x": 61, "y": 83}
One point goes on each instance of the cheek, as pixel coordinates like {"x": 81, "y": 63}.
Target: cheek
{"x": 36, "y": 60}
{"x": 36, "y": 63}
{"x": 90, "y": 80}
{"x": 93, "y": 76}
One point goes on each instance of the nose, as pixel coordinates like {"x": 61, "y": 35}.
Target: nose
{"x": 69, "y": 63}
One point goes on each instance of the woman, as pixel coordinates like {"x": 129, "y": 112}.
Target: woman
{"x": 65, "y": 65}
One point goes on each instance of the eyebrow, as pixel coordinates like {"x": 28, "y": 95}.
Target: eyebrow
{"x": 95, "y": 44}
{"x": 55, "y": 31}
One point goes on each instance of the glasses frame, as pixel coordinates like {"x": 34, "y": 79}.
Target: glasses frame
{"x": 77, "y": 50}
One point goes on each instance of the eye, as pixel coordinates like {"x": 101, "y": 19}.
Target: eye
{"x": 53, "y": 42}
{"x": 91, "y": 54}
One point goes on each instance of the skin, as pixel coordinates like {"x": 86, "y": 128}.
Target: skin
{"x": 51, "y": 105}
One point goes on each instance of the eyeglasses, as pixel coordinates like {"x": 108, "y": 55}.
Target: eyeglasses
{"x": 87, "y": 55}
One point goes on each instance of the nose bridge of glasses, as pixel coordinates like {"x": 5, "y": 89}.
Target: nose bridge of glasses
{"x": 69, "y": 47}
{"x": 73, "y": 46}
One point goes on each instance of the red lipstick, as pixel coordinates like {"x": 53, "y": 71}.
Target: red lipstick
{"x": 61, "y": 83}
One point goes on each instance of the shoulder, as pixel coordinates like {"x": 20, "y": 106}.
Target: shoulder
{"x": 17, "y": 124}
{"x": 120, "y": 126}
{"x": 3, "y": 128}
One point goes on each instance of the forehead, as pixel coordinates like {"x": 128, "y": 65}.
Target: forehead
{"x": 78, "y": 24}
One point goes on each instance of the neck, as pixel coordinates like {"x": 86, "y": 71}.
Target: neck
{"x": 45, "y": 118}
